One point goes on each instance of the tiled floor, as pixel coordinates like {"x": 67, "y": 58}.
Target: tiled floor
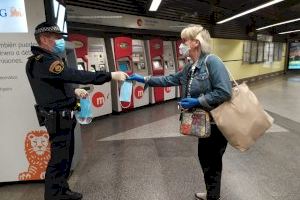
{"x": 140, "y": 156}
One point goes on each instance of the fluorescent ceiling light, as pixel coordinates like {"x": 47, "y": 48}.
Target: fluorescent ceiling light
{"x": 250, "y": 11}
{"x": 154, "y": 5}
{"x": 289, "y": 31}
{"x": 55, "y": 7}
{"x": 277, "y": 24}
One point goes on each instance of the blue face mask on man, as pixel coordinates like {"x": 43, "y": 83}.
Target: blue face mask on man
{"x": 59, "y": 46}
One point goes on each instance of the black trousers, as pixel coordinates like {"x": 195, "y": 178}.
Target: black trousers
{"x": 210, "y": 153}
{"x": 62, "y": 151}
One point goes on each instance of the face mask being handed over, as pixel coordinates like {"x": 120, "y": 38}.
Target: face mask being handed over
{"x": 59, "y": 46}
{"x": 126, "y": 91}
{"x": 184, "y": 50}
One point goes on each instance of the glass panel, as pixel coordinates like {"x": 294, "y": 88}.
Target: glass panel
{"x": 253, "y": 55}
{"x": 271, "y": 52}
{"x": 246, "y": 54}
{"x": 260, "y": 52}
{"x": 276, "y": 51}
{"x": 266, "y": 51}
{"x": 280, "y": 46}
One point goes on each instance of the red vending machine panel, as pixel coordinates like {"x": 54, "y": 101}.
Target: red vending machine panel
{"x": 81, "y": 47}
{"x": 156, "y": 62}
{"x": 169, "y": 67}
{"x": 122, "y": 47}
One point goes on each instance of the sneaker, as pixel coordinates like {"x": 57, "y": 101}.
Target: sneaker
{"x": 200, "y": 196}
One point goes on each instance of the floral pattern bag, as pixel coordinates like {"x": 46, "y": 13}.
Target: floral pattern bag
{"x": 195, "y": 122}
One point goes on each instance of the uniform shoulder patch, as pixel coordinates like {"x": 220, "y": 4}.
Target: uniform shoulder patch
{"x": 56, "y": 67}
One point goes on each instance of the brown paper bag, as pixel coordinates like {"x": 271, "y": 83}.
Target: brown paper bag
{"x": 242, "y": 120}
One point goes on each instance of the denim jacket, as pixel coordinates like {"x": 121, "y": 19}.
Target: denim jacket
{"x": 212, "y": 87}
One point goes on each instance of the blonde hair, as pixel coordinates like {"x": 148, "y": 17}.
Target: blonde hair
{"x": 197, "y": 32}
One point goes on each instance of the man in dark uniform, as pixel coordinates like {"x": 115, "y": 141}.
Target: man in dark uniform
{"x": 51, "y": 82}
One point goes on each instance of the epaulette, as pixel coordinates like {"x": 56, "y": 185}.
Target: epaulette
{"x": 38, "y": 57}
{"x": 31, "y": 57}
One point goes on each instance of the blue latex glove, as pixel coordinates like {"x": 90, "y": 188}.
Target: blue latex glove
{"x": 187, "y": 103}
{"x": 136, "y": 77}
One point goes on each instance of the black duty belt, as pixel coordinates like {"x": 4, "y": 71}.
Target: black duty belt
{"x": 66, "y": 113}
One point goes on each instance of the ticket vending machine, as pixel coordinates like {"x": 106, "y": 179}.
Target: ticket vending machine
{"x": 100, "y": 95}
{"x": 140, "y": 66}
{"x": 169, "y": 67}
{"x": 121, "y": 55}
{"x": 81, "y": 48}
{"x": 180, "y": 63}
{"x": 91, "y": 56}
{"x": 155, "y": 53}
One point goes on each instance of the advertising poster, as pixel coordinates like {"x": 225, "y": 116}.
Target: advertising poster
{"x": 13, "y": 17}
{"x": 24, "y": 146}
{"x": 294, "y": 56}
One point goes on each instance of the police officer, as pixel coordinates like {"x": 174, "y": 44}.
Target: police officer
{"x": 50, "y": 80}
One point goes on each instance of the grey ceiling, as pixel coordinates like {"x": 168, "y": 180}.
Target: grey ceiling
{"x": 208, "y": 12}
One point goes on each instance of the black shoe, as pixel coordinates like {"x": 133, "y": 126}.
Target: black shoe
{"x": 70, "y": 195}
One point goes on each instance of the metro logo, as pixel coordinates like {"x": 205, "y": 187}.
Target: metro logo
{"x": 14, "y": 12}
{"x": 139, "y": 92}
{"x": 167, "y": 89}
{"x": 98, "y": 99}
{"x": 156, "y": 46}
{"x": 77, "y": 44}
{"x": 123, "y": 45}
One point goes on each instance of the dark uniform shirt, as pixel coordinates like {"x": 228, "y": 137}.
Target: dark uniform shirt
{"x": 50, "y": 79}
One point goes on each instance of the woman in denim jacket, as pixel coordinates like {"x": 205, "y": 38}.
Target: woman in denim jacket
{"x": 205, "y": 85}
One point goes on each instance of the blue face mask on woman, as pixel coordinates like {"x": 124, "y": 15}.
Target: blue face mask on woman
{"x": 184, "y": 50}
{"x": 59, "y": 46}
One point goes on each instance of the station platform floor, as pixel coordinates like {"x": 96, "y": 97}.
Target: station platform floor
{"x": 140, "y": 155}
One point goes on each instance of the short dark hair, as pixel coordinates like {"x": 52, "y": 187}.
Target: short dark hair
{"x": 38, "y": 38}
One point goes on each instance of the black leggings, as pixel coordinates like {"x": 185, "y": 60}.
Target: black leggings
{"x": 210, "y": 153}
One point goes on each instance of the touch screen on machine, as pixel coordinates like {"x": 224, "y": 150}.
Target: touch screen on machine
{"x": 80, "y": 66}
{"x": 181, "y": 63}
{"x": 156, "y": 64}
{"x": 123, "y": 66}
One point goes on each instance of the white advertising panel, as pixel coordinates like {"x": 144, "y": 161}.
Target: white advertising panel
{"x": 13, "y": 16}
{"x": 19, "y": 125}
